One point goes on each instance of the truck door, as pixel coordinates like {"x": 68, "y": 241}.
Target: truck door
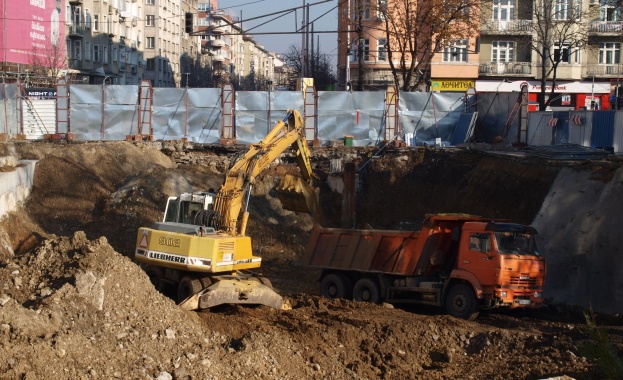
{"x": 477, "y": 256}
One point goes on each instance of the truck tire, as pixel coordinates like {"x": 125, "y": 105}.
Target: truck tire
{"x": 367, "y": 290}
{"x": 461, "y": 302}
{"x": 335, "y": 285}
{"x": 187, "y": 287}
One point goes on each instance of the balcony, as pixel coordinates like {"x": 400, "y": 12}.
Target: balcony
{"x": 506, "y": 27}
{"x": 76, "y": 2}
{"x": 75, "y": 31}
{"x": 519, "y": 69}
{"x": 608, "y": 28}
{"x": 215, "y": 29}
{"x": 216, "y": 43}
{"x": 603, "y": 70}
{"x": 218, "y": 58}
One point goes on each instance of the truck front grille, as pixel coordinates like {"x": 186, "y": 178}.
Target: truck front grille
{"x": 523, "y": 281}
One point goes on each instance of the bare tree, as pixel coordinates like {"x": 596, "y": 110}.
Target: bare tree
{"x": 556, "y": 31}
{"x": 47, "y": 62}
{"x": 416, "y": 30}
{"x": 320, "y": 67}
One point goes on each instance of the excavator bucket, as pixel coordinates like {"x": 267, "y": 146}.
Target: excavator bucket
{"x": 235, "y": 291}
{"x": 297, "y": 195}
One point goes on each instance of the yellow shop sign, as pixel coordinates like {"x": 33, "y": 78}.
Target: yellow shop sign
{"x": 452, "y": 85}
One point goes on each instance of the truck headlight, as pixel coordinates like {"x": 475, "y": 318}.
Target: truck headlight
{"x": 537, "y": 295}
{"x": 503, "y": 294}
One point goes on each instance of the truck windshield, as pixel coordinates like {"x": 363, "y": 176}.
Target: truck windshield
{"x": 516, "y": 243}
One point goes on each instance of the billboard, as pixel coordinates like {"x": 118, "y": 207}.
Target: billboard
{"x": 33, "y": 32}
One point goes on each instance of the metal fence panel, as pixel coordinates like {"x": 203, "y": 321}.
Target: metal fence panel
{"x": 430, "y": 115}
{"x": 539, "y": 132}
{"x": 618, "y": 132}
{"x": 169, "y": 113}
{"x": 85, "y": 94}
{"x": 8, "y": 110}
{"x": 86, "y": 121}
{"x": 252, "y": 123}
{"x": 579, "y": 128}
{"x": 120, "y": 120}
{"x": 493, "y": 114}
{"x": 204, "y": 115}
{"x": 603, "y": 129}
{"x": 121, "y": 94}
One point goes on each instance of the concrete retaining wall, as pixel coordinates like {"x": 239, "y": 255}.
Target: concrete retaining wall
{"x": 15, "y": 185}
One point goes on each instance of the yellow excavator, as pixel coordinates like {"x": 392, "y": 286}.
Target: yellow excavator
{"x": 201, "y": 248}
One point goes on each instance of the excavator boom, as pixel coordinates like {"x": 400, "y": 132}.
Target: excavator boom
{"x": 201, "y": 248}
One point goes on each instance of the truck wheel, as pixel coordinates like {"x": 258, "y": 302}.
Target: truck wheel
{"x": 335, "y": 285}
{"x": 187, "y": 287}
{"x": 367, "y": 290}
{"x": 461, "y": 302}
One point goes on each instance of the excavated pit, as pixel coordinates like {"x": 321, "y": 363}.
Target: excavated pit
{"x": 74, "y": 305}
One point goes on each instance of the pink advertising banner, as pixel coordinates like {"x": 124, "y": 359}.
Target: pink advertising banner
{"x": 33, "y": 32}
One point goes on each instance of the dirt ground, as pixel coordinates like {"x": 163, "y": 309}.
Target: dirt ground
{"x": 73, "y": 304}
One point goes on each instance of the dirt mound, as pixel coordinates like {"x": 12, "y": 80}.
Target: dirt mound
{"x": 79, "y": 307}
{"x": 76, "y": 308}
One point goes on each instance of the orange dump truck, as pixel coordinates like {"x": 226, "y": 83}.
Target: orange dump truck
{"x": 462, "y": 262}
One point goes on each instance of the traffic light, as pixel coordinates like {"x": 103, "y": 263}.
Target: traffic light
{"x": 188, "y": 22}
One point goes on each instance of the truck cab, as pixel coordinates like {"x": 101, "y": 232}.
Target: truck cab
{"x": 502, "y": 262}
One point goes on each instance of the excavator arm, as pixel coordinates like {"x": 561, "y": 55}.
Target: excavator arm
{"x": 295, "y": 194}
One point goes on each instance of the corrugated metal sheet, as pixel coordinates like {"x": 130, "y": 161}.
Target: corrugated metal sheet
{"x": 567, "y": 152}
{"x": 603, "y": 129}
{"x": 463, "y": 129}
{"x": 539, "y": 132}
{"x": 39, "y": 117}
{"x": 580, "y": 123}
{"x": 618, "y": 132}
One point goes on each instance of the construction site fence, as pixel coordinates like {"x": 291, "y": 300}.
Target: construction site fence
{"x": 111, "y": 112}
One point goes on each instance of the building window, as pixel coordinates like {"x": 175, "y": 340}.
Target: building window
{"x": 96, "y": 53}
{"x": 149, "y": 2}
{"x": 105, "y": 54}
{"x": 115, "y": 54}
{"x": 104, "y": 23}
{"x": 96, "y": 23}
{"x": 456, "y": 51}
{"x": 567, "y": 9}
{"x": 150, "y": 20}
{"x": 564, "y": 54}
{"x": 503, "y": 10}
{"x": 609, "y": 53}
{"x": 609, "y": 11}
{"x": 77, "y": 50}
{"x": 87, "y": 50}
{"x": 151, "y": 42}
{"x": 151, "y": 64}
{"x": 363, "y": 44}
{"x": 381, "y": 49}
{"x": 502, "y": 51}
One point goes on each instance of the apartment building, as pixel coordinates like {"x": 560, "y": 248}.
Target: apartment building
{"x": 103, "y": 40}
{"x": 232, "y": 55}
{"x": 501, "y": 56}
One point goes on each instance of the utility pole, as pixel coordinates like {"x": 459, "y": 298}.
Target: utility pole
{"x": 348, "y": 47}
{"x": 360, "y": 46}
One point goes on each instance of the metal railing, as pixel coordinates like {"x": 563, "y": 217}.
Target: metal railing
{"x": 605, "y": 27}
{"x": 505, "y": 68}
{"x": 603, "y": 70}
{"x": 506, "y": 27}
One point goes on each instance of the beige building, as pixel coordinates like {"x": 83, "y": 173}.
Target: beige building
{"x": 501, "y": 52}
{"x": 104, "y": 41}
{"x": 233, "y": 56}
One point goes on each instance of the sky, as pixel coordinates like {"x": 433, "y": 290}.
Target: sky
{"x": 280, "y": 43}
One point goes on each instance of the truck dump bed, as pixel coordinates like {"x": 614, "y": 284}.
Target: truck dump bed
{"x": 364, "y": 250}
